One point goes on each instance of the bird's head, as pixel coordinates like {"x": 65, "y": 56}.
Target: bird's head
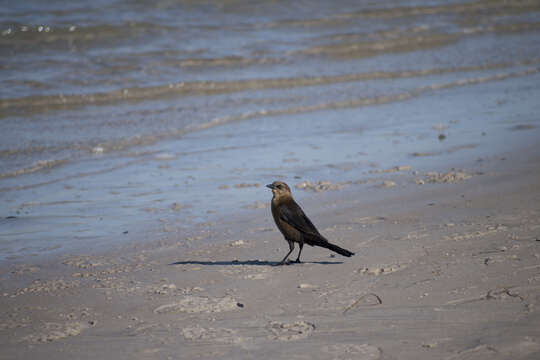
{"x": 279, "y": 189}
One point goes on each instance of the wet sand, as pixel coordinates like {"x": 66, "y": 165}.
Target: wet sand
{"x": 447, "y": 266}
{"x": 121, "y": 130}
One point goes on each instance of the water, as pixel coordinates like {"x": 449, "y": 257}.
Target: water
{"x": 132, "y": 116}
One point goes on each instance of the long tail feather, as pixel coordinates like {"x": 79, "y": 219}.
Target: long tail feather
{"x": 337, "y": 249}
{"x": 322, "y": 242}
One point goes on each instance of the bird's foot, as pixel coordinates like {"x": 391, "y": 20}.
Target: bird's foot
{"x": 297, "y": 261}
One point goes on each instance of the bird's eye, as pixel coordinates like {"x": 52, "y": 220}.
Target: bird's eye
{"x": 279, "y": 186}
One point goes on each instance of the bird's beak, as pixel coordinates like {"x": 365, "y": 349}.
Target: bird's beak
{"x": 270, "y": 186}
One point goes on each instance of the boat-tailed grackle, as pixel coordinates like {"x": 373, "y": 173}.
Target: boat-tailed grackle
{"x": 294, "y": 224}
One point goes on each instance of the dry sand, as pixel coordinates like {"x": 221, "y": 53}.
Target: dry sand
{"x": 447, "y": 266}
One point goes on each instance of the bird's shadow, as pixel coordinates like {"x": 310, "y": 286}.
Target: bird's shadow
{"x": 251, "y": 262}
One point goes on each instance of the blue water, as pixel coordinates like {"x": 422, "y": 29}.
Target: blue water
{"x": 134, "y": 116}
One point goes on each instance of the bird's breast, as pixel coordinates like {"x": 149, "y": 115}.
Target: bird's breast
{"x": 288, "y": 231}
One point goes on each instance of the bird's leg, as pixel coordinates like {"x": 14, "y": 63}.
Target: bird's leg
{"x": 291, "y": 247}
{"x": 299, "y": 252}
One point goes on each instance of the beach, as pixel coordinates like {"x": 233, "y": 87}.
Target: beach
{"x": 446, "y": 269}
{"x": 137, "y": 140}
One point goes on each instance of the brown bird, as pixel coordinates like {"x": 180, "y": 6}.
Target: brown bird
{"x": 294, "y": 224}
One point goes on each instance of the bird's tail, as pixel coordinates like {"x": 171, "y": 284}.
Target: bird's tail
{"x": 322, "y": 242}
{"x": 337, "y": 249}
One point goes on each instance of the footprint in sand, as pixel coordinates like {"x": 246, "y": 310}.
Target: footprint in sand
{"x": 199, "y": 304}
{"x": 478, "y": 352}
{"x": 246, "y": 273}
{"x": 56, "y": 331}
{"x": 380, "y": 270}
{"x": 220, "y": 335}
{"x": 290, "y": 331}
{"x": 352, "y": 352}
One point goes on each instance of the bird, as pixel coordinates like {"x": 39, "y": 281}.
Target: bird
{"x": 294, "y": 224}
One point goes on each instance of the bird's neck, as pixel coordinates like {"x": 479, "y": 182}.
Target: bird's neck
{"x": 281, "y": 199}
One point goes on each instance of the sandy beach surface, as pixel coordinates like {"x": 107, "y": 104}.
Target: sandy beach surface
{"x": 136, "y": 139}
{"x": 447, "y": 266}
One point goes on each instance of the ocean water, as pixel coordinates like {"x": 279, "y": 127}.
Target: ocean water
{"x": 125, "y": 120}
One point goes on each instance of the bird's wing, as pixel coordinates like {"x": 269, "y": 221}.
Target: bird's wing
{"x": 293, "y": 215}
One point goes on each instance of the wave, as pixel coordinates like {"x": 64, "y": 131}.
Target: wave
{"x": 408, "y": 40}
{"x": 29, "y": 104}
{"x": 354, "y": 103}
{"x": 21, "y": 35}
{"x": 38, "y": 166}
{"x": 228, "y": 61}
{"x": 472, "y": 9}
{"x": 374, "y": 48}
{"x": 122, "y": 144}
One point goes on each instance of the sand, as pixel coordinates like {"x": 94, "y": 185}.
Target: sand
{"x": 134, "y": 152}
{"x": 447, "y": 266}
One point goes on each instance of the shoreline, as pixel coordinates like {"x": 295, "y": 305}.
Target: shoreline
{"x": 201, "y": 176}
{"x": 456, "y": 262}
{"x": 135, "y": 152}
